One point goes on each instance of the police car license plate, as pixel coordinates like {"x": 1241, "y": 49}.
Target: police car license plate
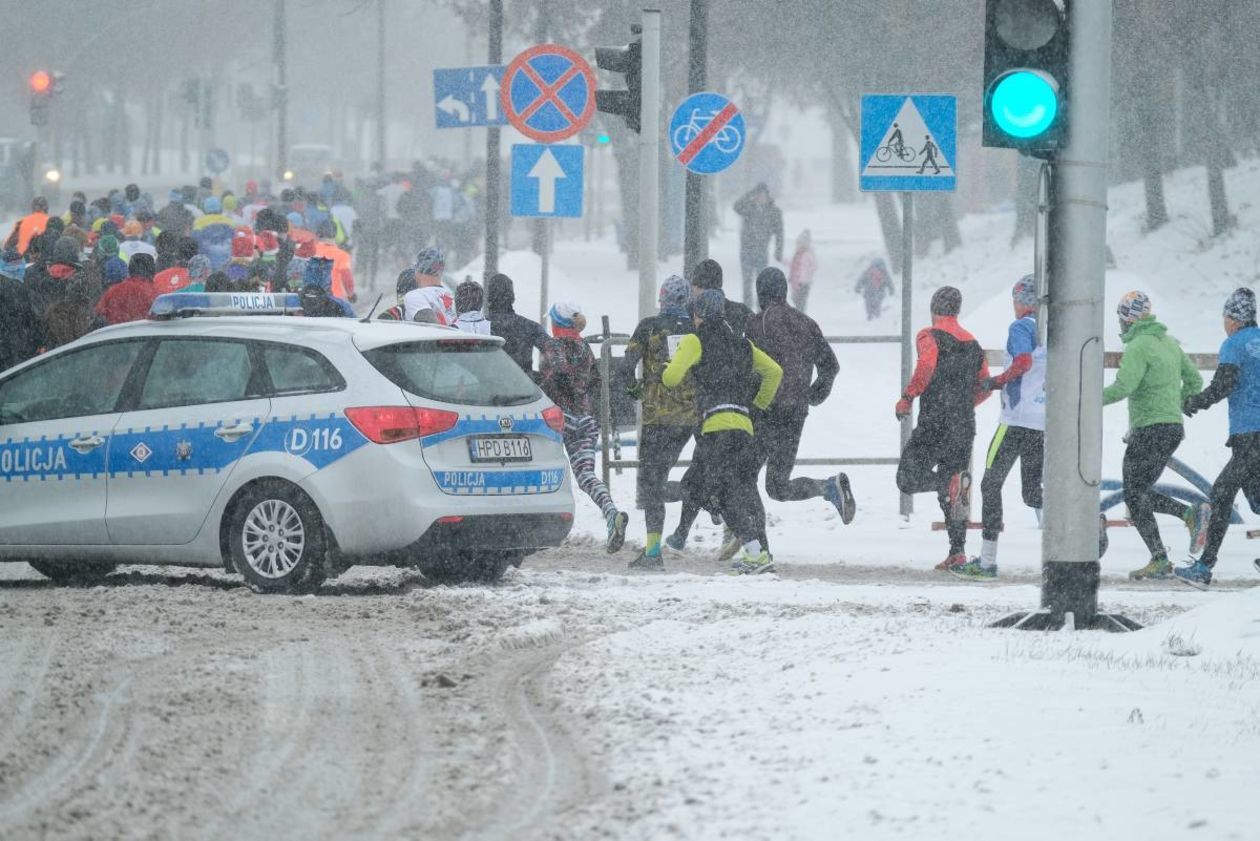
{"x": 500, "y": 448}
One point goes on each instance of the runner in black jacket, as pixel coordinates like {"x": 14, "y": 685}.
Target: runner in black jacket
{"x": 520, "y": 335}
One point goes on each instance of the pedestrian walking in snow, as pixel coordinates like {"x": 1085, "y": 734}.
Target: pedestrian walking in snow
{"x": 1238, "y": 380}
{"x": 570, "y": 377}
{"x": 874, "y": 285}
{"x": 802, "y": 269}
{"x": 762, "y": 221}
{"x": 733, "y": 379}
{"x": 669, "y": 416}
{"x": 1020, "y": 434}
{"x": 1156, "y": 377}
{"x": 949, "y": 380}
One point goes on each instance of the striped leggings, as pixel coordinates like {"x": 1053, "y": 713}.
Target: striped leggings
{"x": 581, "y": 435}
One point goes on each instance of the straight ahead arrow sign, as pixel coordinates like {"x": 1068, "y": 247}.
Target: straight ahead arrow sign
{"x": 490, "y": 89}
{"x": 547, "y": 171}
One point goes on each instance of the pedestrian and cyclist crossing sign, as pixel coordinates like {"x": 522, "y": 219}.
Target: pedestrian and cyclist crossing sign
{"x": 909, "y": 142}
{"x": 707, "y": 133}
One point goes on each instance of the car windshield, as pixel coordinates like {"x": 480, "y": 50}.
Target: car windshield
{"x": 455, "y": 371}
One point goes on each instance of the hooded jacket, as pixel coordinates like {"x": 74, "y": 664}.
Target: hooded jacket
{"x": 127, "y": 301}
{"x": 795, "y": 341}
{"x": 520, "y": 335}
{"x": 1155, "y": 375}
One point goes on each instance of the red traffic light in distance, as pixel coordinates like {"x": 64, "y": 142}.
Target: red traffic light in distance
{"x": 41, "y": 81}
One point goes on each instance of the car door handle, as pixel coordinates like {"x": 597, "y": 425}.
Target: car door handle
{"x": 86, "y": 444}
{"x": 232, "y": 434}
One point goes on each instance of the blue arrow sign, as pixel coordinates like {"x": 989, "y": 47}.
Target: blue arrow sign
{"x": 468, "y": 97}
{"x": 909, "y": 143}
{"x": 707, "y": 133}
{"x": 547, "y": 180}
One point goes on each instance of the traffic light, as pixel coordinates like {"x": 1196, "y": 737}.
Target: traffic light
{"x": 41, "y": 87}
{"x": 1026, "y": 57}
{"x": 628, "y": 61}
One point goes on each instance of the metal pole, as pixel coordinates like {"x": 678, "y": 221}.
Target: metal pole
{"x": 381, "y": 129}
{"x": 1074, "y": 368}
{"x": 907, "y": 322}
{"x": 695, "y": 232}
{"x": 649, "y": 161}
{"x": 281, "y": 93}
{"x": 545, "y": 280}
{"x": 492, "y": 150}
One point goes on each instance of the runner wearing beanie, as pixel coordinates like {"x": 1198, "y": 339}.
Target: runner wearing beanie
{"x": 1156, "y": 377}
{"x": 668, "y": 415}
{"x": 1238, "y": 380}
{"x": 733, "y": 378}
{"x": 570, "y": 378}
{"x": 521, "y": 335}
{"x": 405, "y": 283}
{"x": 1020, "y": 434}
{"x": 708, "y": 275}
{"x": 430, "y": 301}
{"x": 950, "y": 379}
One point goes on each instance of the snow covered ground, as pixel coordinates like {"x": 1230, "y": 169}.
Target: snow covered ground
{"x": 1187, "y": 274}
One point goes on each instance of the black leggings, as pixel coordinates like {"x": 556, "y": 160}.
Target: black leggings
{"x": 930, "y": 458}
{"x": 1242, "y": 471}
{"x": 778, "y": 439}
{"x": 1011, "y": 443}
{"x": 728, "y": 474}
{"x": 659, "y": 449}
{"x": 1145, "y": 458}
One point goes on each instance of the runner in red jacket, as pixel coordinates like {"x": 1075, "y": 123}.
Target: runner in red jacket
{"x": 131, "y": 299}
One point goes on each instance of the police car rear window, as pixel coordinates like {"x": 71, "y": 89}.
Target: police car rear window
{"x": 455, "y": 371}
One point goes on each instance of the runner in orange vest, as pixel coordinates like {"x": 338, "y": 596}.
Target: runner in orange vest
{"x": 29, "y": 226}
{"x": 342, "y": 276}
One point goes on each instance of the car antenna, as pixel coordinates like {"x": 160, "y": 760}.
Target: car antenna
{"x": 368, "y": 318}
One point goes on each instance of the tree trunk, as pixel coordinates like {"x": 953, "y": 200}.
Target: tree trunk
{"x": 842, "y": 187}
{"x": 1222, "y": 219}
{"x": 1156, "y": 207}
{"x": 951, "y": 234}
{"x": 890, "y": 226}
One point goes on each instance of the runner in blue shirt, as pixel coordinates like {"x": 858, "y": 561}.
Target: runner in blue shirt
{"x": 1237, "y": 378}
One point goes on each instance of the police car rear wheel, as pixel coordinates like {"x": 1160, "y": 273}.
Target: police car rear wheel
{"x": 69, "y": 572}
{"x": 277, "y": 540}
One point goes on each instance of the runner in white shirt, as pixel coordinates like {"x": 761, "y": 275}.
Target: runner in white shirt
{"x": 431, "y": 301}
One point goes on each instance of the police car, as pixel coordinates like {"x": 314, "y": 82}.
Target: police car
{"x": 286, "y": 449}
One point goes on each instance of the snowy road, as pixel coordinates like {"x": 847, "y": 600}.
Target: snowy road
{"x": 576, "y": 702}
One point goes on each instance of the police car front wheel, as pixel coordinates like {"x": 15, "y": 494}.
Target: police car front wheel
{"x": 277, "y": 539}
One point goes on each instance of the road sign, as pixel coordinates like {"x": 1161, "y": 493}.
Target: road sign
{"x": 707, "y": 133}
{"x": 547, "y": 180}
{"x": 548, "y": 93}
{"x": 468, "y": 97}
{"x": 909, "y": 142}
{"x": 217, "y": 161}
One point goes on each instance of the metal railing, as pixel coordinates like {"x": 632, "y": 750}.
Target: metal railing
{"x": 610, "y": 443}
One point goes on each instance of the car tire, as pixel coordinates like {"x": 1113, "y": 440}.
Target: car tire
{"x": 276, "y": 539}
{"x": 485, "y": 567}
{"x": 69, "y": 572}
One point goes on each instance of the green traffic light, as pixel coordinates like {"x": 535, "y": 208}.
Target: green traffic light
{"x": 603, "y": 138}
{"x": 1024, "y": 104}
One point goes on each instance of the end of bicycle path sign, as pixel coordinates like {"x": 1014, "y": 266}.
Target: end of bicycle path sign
{"x": 707, "y": 133}
{"x": 909, "y": 143}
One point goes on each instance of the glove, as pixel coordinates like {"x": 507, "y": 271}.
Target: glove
{"x": 1190, "y": 407}
{"x": 352, "y": 298}
{"x": 903, "y": 409}
{"x": 990, "y": 384}
{"x": 635, "y": 390}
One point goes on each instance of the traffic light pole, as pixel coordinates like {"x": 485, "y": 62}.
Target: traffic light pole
{"x": 493, "y": 176}
{"x": 1074, "y": 368}
{"x": 649, "y": 161}
{"x": 695, "y": 235}
{"x": 281, "y": 92}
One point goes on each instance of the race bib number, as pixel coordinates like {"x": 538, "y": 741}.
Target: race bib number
{"x": 671, "y": 346}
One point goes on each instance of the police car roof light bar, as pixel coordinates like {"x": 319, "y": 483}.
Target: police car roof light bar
{"x": 198, "y": 304}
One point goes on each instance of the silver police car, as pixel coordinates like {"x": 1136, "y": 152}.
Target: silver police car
{"x": 286, "y": 449}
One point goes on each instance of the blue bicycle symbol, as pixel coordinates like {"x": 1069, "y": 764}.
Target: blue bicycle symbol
{"x": 727, "y": 139}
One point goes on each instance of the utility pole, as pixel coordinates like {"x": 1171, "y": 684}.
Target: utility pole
{"x": 1074, "y": 365}
{"x": 493, "y": 176}
{"x": 281, "y": 92}
{"x": 696, "y": 230}
{"x": 381, "y": 128}
{"x": 649, "y": 161}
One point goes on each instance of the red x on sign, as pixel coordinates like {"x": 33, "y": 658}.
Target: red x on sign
{"x": 548, "y": 93}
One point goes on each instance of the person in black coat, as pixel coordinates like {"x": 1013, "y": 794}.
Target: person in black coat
{"x": 20, "y": 337}
{"x": 520, "y": 334}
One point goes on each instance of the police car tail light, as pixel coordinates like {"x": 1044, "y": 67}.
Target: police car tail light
{"x": 391, "y": 424}
{"x": 554, "y": 418}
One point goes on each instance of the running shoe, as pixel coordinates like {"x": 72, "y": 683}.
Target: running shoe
{"x": 730, "y": 546}
{"x": 676, "y": 541}
{"x": 617, "y": 531}
{"x": 951, "y": 563}
{"x": 838, "y": 492}
{"x": 1197, "y": 574}
{"x": 958, "y": 496}
{"x": 973, "y": 570}
{"x": 648, "y": 560}
{"x": 1197, "y": 520}
{"x": 750, "y": 564}
{"x": 1159, "y": 567}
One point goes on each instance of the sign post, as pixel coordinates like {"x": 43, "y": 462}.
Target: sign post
{"x": 894, "y": 158}
{"x": 649, "y": 161}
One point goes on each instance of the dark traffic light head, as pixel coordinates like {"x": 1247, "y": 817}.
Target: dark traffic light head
{"x": 628, "y": 61}
{"x": 1026, "y": 56}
